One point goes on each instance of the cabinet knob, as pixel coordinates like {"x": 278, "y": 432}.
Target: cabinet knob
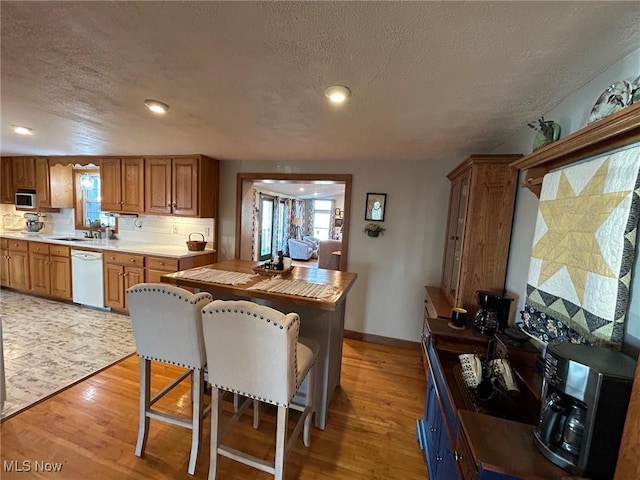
{"x": 133, "y": 260}
{"x": 432, "y": 429}
{"x": 438, "y": 458}
{"x": 112, "y": 258}
{"x": 457, "y": 456}
{"x": 169, "y": 204}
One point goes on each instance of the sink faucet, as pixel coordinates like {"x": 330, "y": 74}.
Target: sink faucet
{"x": 90, "y": 234}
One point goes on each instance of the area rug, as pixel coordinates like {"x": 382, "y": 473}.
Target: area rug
{"x": 50, "y": 345}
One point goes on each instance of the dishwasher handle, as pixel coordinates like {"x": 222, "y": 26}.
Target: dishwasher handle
{"x": 87, "y": 256}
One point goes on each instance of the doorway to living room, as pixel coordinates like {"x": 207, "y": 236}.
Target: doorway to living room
{"x": 292, "y": 204}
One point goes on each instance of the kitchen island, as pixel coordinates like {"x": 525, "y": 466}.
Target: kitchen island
{"x": 321, "y": 316}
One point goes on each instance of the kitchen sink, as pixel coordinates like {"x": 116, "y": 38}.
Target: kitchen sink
{"x": 72, "y": 239}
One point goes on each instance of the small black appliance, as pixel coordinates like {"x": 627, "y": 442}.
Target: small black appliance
{"x": 585, "y": 393}
{"x": 493, "y": 314}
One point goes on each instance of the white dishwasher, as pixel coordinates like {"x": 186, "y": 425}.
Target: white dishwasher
{"x": 87, "y": 280}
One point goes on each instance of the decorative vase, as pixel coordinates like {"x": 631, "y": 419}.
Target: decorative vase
{"x": 373, "y": 233}
{"x": 541, "y": 140}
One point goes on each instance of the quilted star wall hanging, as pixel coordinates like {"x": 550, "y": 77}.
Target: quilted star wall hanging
{"x": 583, "y": 251}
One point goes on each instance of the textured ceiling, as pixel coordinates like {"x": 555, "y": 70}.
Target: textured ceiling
{"x": 245, "y": 80}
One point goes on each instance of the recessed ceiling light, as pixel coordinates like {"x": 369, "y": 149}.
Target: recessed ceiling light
{"x": 22, "y": 130}
{"x": 156, "y": 106}
{"x": 337, "y": 93}
{"x": 301, "y": 189}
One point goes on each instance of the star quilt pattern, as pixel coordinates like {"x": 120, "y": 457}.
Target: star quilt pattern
{"x": 583, "y": 251}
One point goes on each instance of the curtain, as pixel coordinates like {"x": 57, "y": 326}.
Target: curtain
{"x": 255, "y": 224}
{"x": 583, "y": 251}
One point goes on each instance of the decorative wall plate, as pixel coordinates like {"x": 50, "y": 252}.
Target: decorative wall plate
{"x": 613, "y": 99}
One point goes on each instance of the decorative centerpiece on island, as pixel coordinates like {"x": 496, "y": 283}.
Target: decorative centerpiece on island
{"x": 373, "y": 230}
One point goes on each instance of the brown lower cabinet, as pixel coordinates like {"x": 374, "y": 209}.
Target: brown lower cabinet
{"x": 50, "y": 269}
{"x": 15, "y": 264}
{"x": 121, "y": 271}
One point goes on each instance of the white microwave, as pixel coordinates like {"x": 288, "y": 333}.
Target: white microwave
{"x": 26, "y": 200}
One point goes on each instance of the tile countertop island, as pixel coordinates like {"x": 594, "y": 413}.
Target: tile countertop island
{"x": 316, "y": 294}
{"x": 125, "y": 246}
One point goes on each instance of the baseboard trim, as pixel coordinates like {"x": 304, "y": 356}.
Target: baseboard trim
{"x": 379, "y": 339}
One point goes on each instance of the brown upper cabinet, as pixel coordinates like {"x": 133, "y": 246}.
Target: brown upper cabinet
{"x": 7, "y": 190}
{"x": 54, "y": 184}
{"x": 122, "y": 184}
{"x": 481, "y": 204}
{"x": 186, "y": 186}
{"x": 24, "y": 173}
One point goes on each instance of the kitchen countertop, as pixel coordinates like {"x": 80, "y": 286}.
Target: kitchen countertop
{"x": 142, "y": 248}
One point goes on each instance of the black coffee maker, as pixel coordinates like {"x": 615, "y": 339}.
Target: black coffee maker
{"x": 493, "y": 314}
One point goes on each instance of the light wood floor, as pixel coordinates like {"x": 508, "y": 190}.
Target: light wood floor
{"x": 91, "y": 428}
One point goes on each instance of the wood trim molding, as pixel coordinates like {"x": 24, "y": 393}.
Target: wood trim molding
{"x": 380, "y": 340}
{"x": 615, "y": 131}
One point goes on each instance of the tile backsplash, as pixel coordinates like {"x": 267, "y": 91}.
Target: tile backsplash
{"x": 166, "y": 230}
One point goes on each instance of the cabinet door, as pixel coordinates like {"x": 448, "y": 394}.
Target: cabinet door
{"x": 19, "y": 270}
{"x": 60, "y": 277}
{"x": 4, "y": 266}
{"x": 132, "y": 276}
{"x": 184, "y": 186}
{"x": 39, "y": 271}
{"x": 157, "y": 190}
{"x": 455, "y": 236}
{"x": 7, "y": 189}
{"x": 132, "y": 185}
{"x": 110, "y": 183}
{"x": 114, "y": 285}
{"x": 43, "y": 183}
{"x": 24, "y": 173}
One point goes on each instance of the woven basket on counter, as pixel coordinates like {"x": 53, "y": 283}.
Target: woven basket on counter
{"x": 196, "y": 245}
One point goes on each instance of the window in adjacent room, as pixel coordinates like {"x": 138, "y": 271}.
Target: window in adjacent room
{"x": 322, "y": 218}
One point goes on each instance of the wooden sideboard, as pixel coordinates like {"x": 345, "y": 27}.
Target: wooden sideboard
{"x": 466, "y": 440}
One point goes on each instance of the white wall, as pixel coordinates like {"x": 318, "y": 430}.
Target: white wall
{"x": 572, "y": 114}
{"x": 387, "y": 298}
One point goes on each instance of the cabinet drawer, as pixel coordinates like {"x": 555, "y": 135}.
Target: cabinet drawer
{"x": 60, "y": 250}
{"x": 39, "y": 247}
{"x": 463, "y": 456}
{"x": 124, "y": 259}
{"x": 164, "y": 264}
{"x": 18, "y": 245}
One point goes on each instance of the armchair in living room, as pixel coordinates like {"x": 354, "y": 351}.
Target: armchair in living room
{"x": 310, "y": 239}
{"x": 300, "y": 249}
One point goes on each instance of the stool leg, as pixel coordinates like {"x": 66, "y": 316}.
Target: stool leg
{"x": 197, "y": 381}
{"x": 308, "y": 401}
{"x": 216, "y": 395}
{"x": 281, "y": 440}
{"x": 145, "y": 400}
{"x": 256, "y": 414}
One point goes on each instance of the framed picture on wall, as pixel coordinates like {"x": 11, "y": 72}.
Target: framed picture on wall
{"x": 374, "y": 210}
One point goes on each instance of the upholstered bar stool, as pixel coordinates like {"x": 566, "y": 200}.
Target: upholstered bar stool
{"x": 253, "y": 350}
{"x": 167, "y": 327}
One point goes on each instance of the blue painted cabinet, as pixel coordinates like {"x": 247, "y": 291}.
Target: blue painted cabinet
{"x": 434, "y": 438}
